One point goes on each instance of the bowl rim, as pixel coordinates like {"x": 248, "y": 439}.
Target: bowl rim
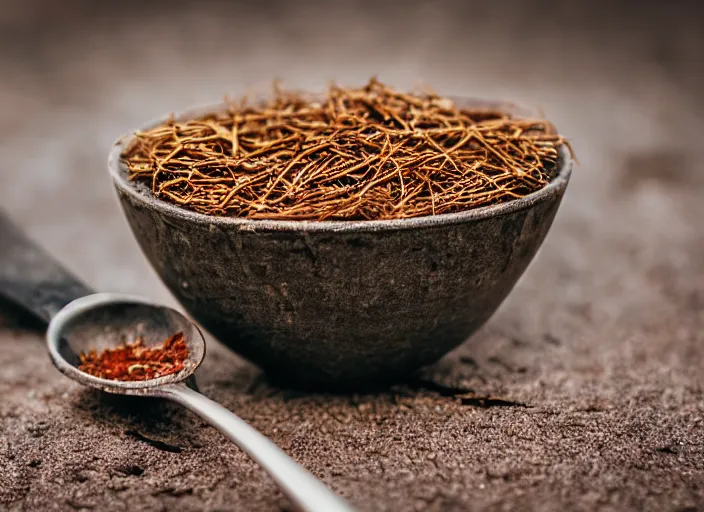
{"x": 117, "y": 171}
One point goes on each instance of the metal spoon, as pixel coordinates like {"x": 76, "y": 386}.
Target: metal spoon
{"x": 80, "y": 320}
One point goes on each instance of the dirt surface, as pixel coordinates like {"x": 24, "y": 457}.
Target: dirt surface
{"x": 584, "y": 392}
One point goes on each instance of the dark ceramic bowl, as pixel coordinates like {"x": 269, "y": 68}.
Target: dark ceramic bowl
{"x": 340, "y": 303}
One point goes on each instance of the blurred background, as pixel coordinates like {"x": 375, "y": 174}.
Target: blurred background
{"x": 622, "y": 80}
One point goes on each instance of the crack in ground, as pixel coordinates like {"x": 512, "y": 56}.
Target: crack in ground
{"x": 465, "y": 395}
{"x": 159, "y": 445}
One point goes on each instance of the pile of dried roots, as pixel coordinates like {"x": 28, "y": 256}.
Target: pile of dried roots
{"x": 369, "y": 153}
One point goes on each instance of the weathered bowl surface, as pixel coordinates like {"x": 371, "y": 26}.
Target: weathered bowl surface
{"x": 338, "y": 303}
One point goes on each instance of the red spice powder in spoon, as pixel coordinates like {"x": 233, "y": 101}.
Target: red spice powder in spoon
{"x": 134, "y": 361}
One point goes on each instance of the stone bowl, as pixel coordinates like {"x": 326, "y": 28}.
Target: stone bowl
{"x": 340, "y": 304}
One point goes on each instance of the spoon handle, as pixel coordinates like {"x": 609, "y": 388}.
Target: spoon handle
{"x": 306, "y": 491}
{"x": 30, "y": 277}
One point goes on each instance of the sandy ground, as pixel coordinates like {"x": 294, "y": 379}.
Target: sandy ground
{"x": 595, "y": 359}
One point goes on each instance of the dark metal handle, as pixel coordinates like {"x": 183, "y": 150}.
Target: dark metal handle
{"x": 30, "y": 277}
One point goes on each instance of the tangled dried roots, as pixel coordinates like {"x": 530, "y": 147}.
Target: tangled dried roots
{"x": 369, "y": 153}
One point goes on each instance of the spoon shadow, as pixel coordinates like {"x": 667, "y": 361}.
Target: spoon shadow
{"x": 154, "y": 421}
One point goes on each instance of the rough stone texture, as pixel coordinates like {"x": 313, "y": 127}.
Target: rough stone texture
{"x": 594, "y": 362}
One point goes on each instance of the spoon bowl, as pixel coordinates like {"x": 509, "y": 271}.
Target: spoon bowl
{"x": 104, "y": 320}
